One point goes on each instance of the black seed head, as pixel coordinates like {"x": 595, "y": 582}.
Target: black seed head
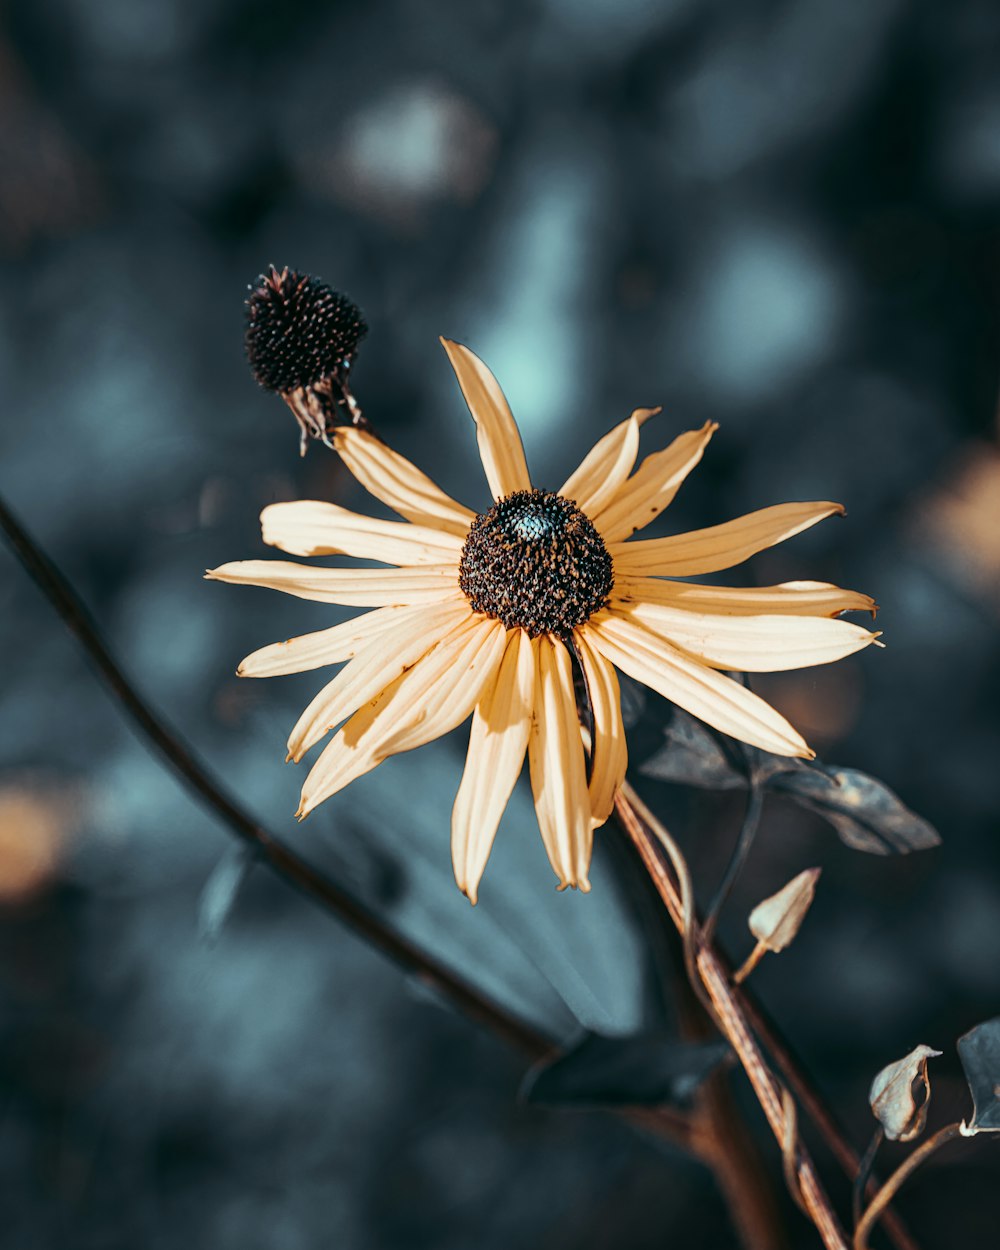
{"x": 536, "y": 561}
{"x": 299, "y": 330}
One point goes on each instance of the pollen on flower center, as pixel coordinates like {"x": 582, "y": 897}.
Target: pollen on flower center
{"x": 536, "y": 561}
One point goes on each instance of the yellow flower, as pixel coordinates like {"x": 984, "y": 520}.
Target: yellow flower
{"x": 483, "y": 615}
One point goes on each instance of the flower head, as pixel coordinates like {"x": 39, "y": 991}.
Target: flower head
{"x": 486, "y": 615}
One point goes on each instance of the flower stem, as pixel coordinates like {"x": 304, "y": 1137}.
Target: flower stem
{"x": 864, "y": 1172}
{"x": 744, "y": 843}
{"x": 751, "y": 962}
{"x": 638, "y": 824}
{"x": 891, "y": 1187}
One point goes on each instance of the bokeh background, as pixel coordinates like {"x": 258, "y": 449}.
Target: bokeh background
{"x": 779, "y": 215}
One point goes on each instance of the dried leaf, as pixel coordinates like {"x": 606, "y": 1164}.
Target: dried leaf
{"x": 775, "y": 921}
{"x": 692, "y": 756}
{"x": 220, "y": 891}
{"x": 901, "y": 1094}
{"x": 866, "y": 814}
{"x": 623, "y": 1072}
{"x": 979, "y": 1051}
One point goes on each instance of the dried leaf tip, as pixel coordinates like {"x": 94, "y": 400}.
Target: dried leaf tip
{"x": 301, "y": 339}
{"x": 901, "y": 1094}
{"x": 775, "y": 921}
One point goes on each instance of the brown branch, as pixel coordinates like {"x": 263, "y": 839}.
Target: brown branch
{"x": 889, "y": 1190}
{"x": 638, "y": 823}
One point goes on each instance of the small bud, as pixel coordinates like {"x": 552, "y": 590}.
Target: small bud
{"x": 892, "y": 1097}
{"x": 775, "y": 921}
{"x": 301, "y": 339}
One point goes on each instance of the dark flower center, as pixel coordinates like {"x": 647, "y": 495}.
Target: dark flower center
{"x": 536, "y": 561}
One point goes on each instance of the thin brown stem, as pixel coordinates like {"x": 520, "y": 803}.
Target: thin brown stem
{"x": 748, "y": 965}
{"x": 864, "y": 1174}
{"x": 638, "y": 822}
{"x": 891, "y": 1187}
{"x": 744, "y": 844}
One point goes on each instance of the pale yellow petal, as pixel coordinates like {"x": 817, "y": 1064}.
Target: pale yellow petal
{"x": 606, "y": 465}
{"x": 788, "y": 599}
{"x": 609, "y": 750}
{"x": 326, "y": 646}
{"x": 453, "y": 700}
{"x": 352, "y": 588}
{"x": 427, "y": 700}
{"x": 653, "y": 485}
{"x": 702, "y": 691}
{"x": 558, "y": 769}
{"x": 398, "y": 483}
{"x": 310, "y": 528}
{"x": 377, "y": 665}
{"x": 500, "y": 727}
{"x": 719, "y": 546}
{"x": 749, "y": 644}
{"x": 499, "y": 439}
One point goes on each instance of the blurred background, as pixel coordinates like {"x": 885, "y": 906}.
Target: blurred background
{"x": 778, "y": 215}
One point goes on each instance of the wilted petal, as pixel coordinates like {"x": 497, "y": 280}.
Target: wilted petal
{"x": 719, "y": 546}
{"x": 500, "y": 727}
{"x": 398, "y": 483}
{"x": 353, "y": 588}
{"x": 653, "y": 486}
{"x": 376, "y": 666}
{"x": 426, "y": 701}
{"x": 702, "y": 691}
{"x": 610, "y": 753}
{"x": 499, "y": 439}
{"x": 749, "y": 644}
{"x": 787, "y": 599}
{"x": 558, "y": 770}
{"x": 311, "y": 528}
{"x": 607, "y": 465}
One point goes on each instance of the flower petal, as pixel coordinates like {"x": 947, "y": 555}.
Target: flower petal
{"x": 500, "y": 727}
{"x": 310, "y": 528}
{"x": 353, "y": 588}
{"x": 719, "y": 546}
{"x": 398, "y": 483}
{"x": 325, "y": 646}
{"x": 703, "y": 692}
{"x": 788, "y": 599}
{"x": 430, "y": 698}
{"x": 499, "y": 440}
{"x": 607, "y": 465}
{"x": 384, "y": 658}
{"x": 558, "y": 770}
{"x": 610, "y": 753}
{"x": 653, "y": 485}
{"x": 750, "y": 644}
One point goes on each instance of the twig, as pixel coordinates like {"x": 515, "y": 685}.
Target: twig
{"x": 906, "y": 1169}
{"x": 272, "y": 850}
{"x": 748, "y": 832}
{"x": 638, "y": 824}
{"x": 864, "y": 1174}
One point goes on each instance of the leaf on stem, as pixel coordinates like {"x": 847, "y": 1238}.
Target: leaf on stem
{"x": 692, "y": 756}
{"x": 623, "y": 1072}
{"x": 901, "y": 1094}
{"x": 775, "y": 921}
{"x": 979, "y": 1051}
{"x": 866, "y": 814}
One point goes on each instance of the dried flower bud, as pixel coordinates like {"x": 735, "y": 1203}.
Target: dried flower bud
{"x": 776, "y": 921}
{"x": 301, "y": 339}
{"x": 892, "y": 1097}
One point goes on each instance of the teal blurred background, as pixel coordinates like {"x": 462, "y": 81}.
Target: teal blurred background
{"x": 782, "y": 216}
